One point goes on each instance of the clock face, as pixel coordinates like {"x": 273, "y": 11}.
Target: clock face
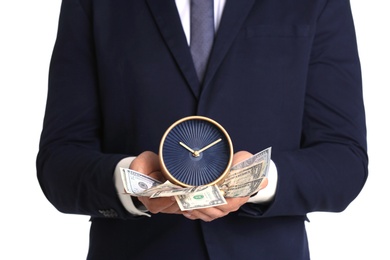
{"x": 195, "y": 151}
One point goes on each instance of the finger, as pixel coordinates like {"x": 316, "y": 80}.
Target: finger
{"x": 158, "y": 176}
{"x": 173, "y": 209}
{"x": 233, "y": 204}
{"x": 264, "y": 183}
{"x": 147, "y": 162}
{"x": 194, "y": 215}
{"x": 241, "y": 156}
{"x": 210, "y": 214}
{"x": 207, "y": 215}
{"x": 157, "y": 205}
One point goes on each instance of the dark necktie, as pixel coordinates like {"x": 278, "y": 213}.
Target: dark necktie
{"x": 202, "y": 33}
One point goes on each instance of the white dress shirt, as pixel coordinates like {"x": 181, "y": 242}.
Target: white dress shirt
{"x": 263, "y": 196}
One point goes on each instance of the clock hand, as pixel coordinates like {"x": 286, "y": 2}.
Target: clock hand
{"x": 196, "y": 153}
{"x": 189, "y": 149}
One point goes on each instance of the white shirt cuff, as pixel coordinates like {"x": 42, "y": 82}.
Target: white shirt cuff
{"x": 126, "y": 199}
{"x": 268, "y": 193}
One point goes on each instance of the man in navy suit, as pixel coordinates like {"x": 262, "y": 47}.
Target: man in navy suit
{"x": 284, "y": 74}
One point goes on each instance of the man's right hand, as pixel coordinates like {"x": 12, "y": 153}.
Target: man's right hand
{"x": 148, "y": 164}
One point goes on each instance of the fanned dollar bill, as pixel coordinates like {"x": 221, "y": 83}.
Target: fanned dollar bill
{"x": 247, "y": 174}
{"x": 209, "y": 196}
{"x": 176, "y": 192}
{"x": 263, "y": 156}
{"x": 137, "y": 183}
{"x": 244, "y": 179}
{"x": 244, "y": 189}
{"x": 166, "y": 186}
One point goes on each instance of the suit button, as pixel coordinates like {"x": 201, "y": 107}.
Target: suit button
{"x": 108, "y": 213}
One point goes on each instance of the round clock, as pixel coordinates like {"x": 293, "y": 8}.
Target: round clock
{"x": 195, "y": 151}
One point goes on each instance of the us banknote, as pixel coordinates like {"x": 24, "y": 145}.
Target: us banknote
{"x": 209, "y": 196}
{"x": 244, "y": 179}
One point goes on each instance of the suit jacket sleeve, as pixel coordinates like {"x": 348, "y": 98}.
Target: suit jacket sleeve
{"x": 330, "y": 168}
{"x": 74, "y": 173}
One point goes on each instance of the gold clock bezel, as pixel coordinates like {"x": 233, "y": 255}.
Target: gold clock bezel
{"x": 163, "y": 167}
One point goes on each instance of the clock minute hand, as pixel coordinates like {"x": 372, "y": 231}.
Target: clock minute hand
{"x": 196, "y": 153}
{"x": 188, "y": 148}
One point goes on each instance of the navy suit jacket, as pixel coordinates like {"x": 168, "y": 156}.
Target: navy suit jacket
{"x": 284, "y": 74}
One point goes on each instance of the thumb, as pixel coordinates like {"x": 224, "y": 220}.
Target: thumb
{"x": 147, "y": 162}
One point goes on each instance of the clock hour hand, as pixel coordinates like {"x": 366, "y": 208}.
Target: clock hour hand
{"x": 189, "y": 149}
{"x": 196, "y": 153}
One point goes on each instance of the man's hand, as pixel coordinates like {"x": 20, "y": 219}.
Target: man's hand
{"x": 233, "y": 204}
{"x": 148, "y": 164}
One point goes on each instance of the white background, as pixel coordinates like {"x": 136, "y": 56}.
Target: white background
{"x": 31, "y": 228}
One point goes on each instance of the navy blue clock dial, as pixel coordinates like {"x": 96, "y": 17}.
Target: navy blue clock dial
{"x": 195, "y": 151}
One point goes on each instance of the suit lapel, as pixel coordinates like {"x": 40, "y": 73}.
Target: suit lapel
{"x": 168, "y": 20}
{"x": 233, "y": 17}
